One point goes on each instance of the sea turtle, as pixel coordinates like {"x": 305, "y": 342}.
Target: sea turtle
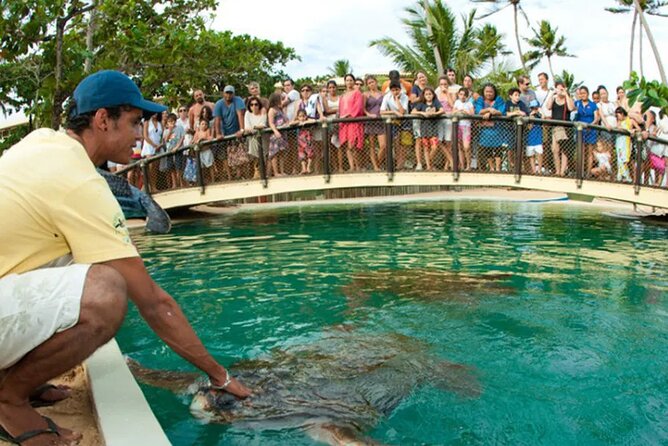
{"x": 424, "y": 284}
{"x": 334, "y": 388}
{"x": 137, "y": 204}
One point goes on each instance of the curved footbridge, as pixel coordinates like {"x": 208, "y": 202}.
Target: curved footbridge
{"x": 191, "y": 196}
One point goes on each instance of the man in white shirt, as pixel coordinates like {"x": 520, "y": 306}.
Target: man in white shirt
{"x": 291, "y": 100}
{"x": 542, "y": 92}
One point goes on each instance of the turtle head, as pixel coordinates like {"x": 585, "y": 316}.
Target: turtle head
{"x": 214, "y": 406}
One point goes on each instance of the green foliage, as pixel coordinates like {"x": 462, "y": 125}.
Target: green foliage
{"x": 649, "y": 93}
{"x": 340, "y": 68}
{"x": 504, "y": 77}
{"x": 490, "y": 44}
{"x": 163, "y": 44}
{"x": 10, "y": 137}
{"x": 651, "y": 7}
{"x": 569, "y": 81}
{"x": 545, "y": 43}
{"x": 457, "y": 49}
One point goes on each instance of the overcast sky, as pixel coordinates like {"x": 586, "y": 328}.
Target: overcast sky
{"x": 322, "y": 32}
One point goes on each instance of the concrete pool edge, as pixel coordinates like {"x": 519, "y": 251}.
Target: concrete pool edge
{"x": 123, "y": 415}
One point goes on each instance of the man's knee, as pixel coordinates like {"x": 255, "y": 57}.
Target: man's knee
{"x": 104, "y": 301}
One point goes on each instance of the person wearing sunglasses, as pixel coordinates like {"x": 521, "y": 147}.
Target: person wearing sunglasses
{"x": 255, "y": 121}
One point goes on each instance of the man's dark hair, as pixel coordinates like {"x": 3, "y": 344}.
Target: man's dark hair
{"x": 513, "y": 90}
{"x": 394, "y": 84}
{"x": 79, "y": 123}
{"x": 287, "y": 79}
{"x": 547, "y": 78}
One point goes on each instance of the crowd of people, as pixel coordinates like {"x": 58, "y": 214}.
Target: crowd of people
{"x": 293, "y": 136}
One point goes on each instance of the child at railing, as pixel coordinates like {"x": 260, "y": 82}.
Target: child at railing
{"x": 304, "y": 141}
{"x": 173, "y": 164}
{"x": 623, "y": 144}
{"x": 428, "y": 106}
{"x": 463, "y": 106}
{"x": 203, "y": 134}
{"x": 603, "y": 168}
{"x": 534, "y": 149}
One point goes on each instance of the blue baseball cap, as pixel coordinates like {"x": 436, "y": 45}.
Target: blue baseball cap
{"x": 109, "y": 88}
{"x": 534, "y": 103}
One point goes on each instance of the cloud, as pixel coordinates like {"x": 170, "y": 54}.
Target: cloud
{"x": 322, "y": 32}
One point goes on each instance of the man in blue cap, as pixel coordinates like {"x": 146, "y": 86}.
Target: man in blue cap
{"x": 68, "y": 266}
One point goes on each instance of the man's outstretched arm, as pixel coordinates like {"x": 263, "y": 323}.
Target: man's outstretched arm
{"x": 166, "y": 319}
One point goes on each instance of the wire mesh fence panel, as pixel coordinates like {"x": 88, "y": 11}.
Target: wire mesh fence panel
{"x": 600, "y": 162}
{"x": 535, "y": 148}
{"x": 495, "y": 142}
{"x": 654, "y": 163}
{"x": 559, "y": 150}
{"x": 373, "y": 155}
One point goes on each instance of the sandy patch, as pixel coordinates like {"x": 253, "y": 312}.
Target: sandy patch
{"x": 76, "y": 412}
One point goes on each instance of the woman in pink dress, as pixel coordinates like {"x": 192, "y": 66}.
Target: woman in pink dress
{"x": 351, "y": 105}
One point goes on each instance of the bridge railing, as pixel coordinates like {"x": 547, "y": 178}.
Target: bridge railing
{"x": 453, "y": 143}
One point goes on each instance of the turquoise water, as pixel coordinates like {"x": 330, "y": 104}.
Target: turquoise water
{"x": 570, "y": 350}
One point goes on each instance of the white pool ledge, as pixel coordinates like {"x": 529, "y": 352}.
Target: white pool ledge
{"x": 123, "y": 414}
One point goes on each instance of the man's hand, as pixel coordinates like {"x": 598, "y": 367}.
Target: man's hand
{"x": 234, "y": 387}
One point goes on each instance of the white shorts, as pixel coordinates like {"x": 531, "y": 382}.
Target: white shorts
{"x": 535, "y": 150}
{"x": 35, "y": 305}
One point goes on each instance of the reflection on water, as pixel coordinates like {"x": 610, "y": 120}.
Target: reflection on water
{"x": 562, "y": 310}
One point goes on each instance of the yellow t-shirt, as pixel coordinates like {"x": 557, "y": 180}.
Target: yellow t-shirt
{"x": 53, "y": 203}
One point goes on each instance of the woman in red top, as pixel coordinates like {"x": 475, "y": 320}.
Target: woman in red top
{"x": 351, "y": 105}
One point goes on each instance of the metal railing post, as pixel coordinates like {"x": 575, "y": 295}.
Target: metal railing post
{"x": 198, "y": 165}
{"x": 260, "y": 161}
{"x": 143, "y": 164}
{"x": 326, "y": 168}
{"x": 389, "y": 152}
{"x": 454, "y": 133}
{"x": 519, "y": 144}
{"x": 579, "y": 155}
{"x": 638, "y": 142}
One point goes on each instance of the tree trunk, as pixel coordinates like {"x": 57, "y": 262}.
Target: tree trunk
{"x": 633, "y": 36}
{"x": 650, "y": 37}
{"x": 90, "y": 31}
{"x": 549, "y": 64}
{"x": 58, "y": 93}
{"x": 642, "y": 71}
{"x": 517, "y": 39}
{"x": 437, "y": 54}
{"x": 57, "y": 103}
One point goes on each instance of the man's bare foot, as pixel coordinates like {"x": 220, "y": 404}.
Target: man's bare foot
{"x": 19, "y": 419}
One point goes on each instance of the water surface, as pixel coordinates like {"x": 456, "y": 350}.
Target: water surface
{"x": 570, "y": 350}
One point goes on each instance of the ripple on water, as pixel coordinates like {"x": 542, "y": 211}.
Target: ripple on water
{"x": 568, "y": 349}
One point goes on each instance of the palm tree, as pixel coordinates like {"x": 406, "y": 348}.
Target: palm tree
{"x": 490, "y": 44}
{"x": 547, "y": 44}
{"x": 340, "y": 68}
{"x": 569, "y": 81}
{"x": 516, "y": 8}
{"x": 440, "y": 43}
{"x": 639, "y": 8}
